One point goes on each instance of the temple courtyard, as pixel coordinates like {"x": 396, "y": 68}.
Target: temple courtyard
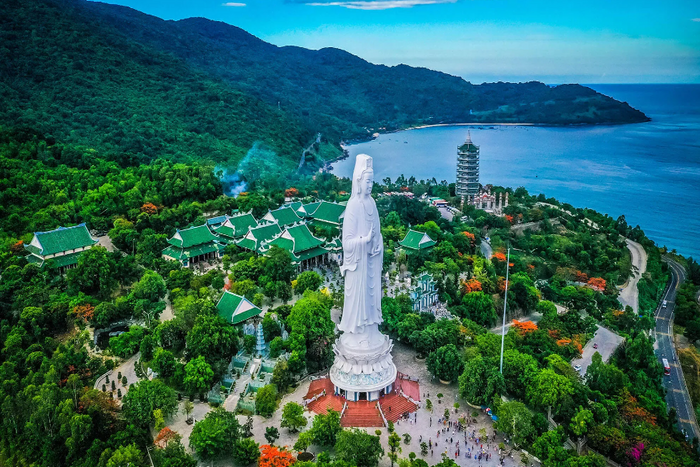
{"x": 423, "y": 423}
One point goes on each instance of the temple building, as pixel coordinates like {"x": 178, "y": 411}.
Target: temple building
{"x": 236, "y": 227}
{"x": 306, "y": 249}
{"x": 283, "y": 216}
{"x": 327, "y": 215}
{"x": 258, "y": 236}
{"x": 423, "y": 292}
{"x": 467, "y": 185}
{"x": 416, "y": 241}
{"x": 491, "y": 203}
{"x": 216, "y": 221}
{"x": 194, "y": 245}
{"x": 235, "y": 309}
{"x": 59, "y": 248}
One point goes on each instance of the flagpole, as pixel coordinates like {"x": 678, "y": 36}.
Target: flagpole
{"x": 505, "y": 304}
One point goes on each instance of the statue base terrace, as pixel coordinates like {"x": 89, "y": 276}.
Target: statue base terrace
{"x": 397, "y": 404}
{"x": 363, "y": 368}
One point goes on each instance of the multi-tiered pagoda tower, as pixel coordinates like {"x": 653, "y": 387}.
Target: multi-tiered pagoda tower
{"x": 467, "y": 186}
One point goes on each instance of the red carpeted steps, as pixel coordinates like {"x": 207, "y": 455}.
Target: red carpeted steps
{"x": 395, "y": 405}
{"x": 323, "y": 403}
{"x": 362, "y": 414}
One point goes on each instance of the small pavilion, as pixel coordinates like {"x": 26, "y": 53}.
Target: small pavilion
{"x": 416, "y": 241}
{"x": 235, "y": 309}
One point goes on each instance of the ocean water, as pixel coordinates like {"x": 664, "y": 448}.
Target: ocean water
{"x": 650, "y": 172}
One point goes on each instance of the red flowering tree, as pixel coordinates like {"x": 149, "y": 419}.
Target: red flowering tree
{"x": 164, "y": 437}
{"x": 472, "y": 285}
{"x": 291, "y": 192}
{"x": 597, "y": 283}
{"x": 509, "y": 218}
{"x": 17, "y": 248}
{"x": 271, "y": 456}
{"x": 499, "y": 256}
{"x": 524, "y": 327}
{"x": 84, "y": 312}
{"x": 149, "y": 208}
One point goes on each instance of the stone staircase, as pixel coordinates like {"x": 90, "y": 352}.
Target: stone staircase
{"x": 362, "y": 414}
{"x": 395, "y": 405}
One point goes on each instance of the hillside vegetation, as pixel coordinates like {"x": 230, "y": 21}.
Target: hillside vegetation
{"x": 137, "y": 88}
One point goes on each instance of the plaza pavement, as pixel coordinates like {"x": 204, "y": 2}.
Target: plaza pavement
{"x": 406, "y": 363}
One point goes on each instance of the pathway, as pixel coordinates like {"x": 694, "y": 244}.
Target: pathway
{"x": 126, "y": 368}
{"x": 629, "y": 294}
{"x": 485, "y": 247}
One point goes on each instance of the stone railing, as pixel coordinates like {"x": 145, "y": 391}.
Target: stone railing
{"x": 381, "y": 412}
{"x": 345, "y": 406}
{"x": 316, "y": 397}
{"x": 411, "y": 399}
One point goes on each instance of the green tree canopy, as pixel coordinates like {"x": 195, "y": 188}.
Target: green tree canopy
{"x": 357, "y": 447}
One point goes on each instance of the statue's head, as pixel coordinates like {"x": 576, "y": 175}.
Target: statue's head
{"x": 362, "y": 176}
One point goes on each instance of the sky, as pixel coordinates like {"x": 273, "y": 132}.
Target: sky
{"x": 572, "y": 41}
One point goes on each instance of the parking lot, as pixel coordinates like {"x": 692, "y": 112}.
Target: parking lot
{"x": 607, "y": 343}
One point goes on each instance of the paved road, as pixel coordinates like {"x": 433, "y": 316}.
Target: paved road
{"x": 446, "y": 213}
{"x": 677, "y": 394}
{"x": 607, "y": 343}
{"x": 629, "y": 295}
{"x": 486, "y": 249}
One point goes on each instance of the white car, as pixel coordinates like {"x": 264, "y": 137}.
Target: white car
{"x": 664, "y": 304}
{"x": 577, "y": 368}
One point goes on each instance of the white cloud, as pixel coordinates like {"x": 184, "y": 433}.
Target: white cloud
{"x": 697, "y": 20}
{"x": 379, "y": 4}
{"x": 232, "y": 4}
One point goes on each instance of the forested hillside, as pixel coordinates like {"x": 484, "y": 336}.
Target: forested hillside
{"x": 341, "y": 93}
{"x": 66, "y": 74}
{"x": 137, "y": 88}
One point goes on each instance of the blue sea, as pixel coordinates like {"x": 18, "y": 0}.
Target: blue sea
{"x": 650, "y": 172}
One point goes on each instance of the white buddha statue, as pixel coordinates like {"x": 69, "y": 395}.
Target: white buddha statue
{"x": 363, "y": 363}
{"x": 363, "y": 249}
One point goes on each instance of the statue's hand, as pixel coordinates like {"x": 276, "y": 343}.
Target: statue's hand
{"x": 367, "y": 238}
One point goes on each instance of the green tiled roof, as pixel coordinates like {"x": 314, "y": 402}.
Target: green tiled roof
{"x": 236, "y": 309}
{"x": 61, "y": 239}
{"x": 328, "y": 212}
{"x": 64, "y": 260}
{"x": 298, "y": 207}
{"x": 311, "y": 207}
{"x": 303, "y": 238}
{"x": 192, "y": 237}
{"x": 285, "y": 216}
{"x": 186, "y": 253}
{"x": 415, "y": 240}
{"x": 312, "y": 253}
{"x": 284, "y": 243}
{"x": 334, "y": 244}
{"x": 218, "y": 220}
{"x": 258, "y": 235}
{"x": 237, "y": 226}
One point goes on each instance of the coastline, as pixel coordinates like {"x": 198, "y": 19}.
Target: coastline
{"x": 373, "y": 136}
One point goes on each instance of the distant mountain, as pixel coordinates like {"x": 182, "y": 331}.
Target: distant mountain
{"x": 332, "y": 87}
{"x": 141, "y": 87}
{"x": 68, "y": 74}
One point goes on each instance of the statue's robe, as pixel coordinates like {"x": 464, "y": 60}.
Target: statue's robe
{"x": 362, "y": 266}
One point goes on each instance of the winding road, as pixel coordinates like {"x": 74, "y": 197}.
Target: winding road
{"x": 629, "y": 294}
{"x": 677, "y": 393}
